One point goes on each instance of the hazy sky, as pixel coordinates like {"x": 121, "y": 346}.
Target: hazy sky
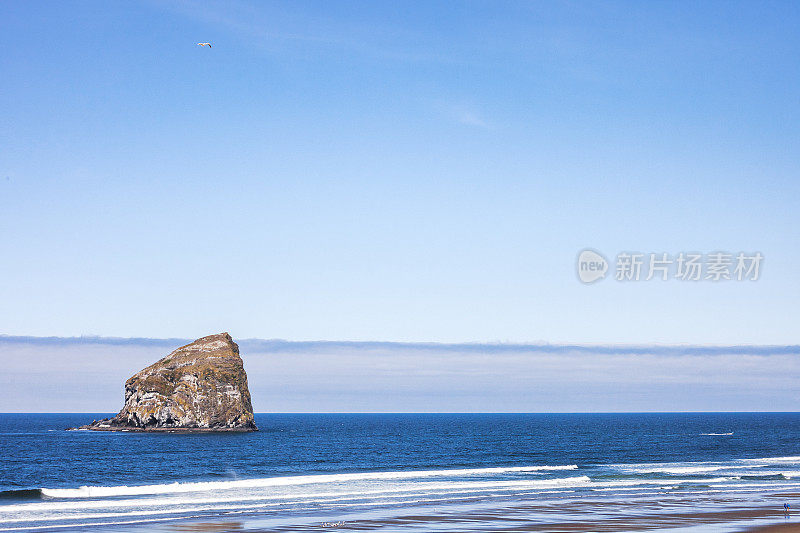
{"x": 395, "y": 171}
{"x": 88, "y": 375}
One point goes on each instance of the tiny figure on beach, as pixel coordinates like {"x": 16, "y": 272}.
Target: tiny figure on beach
{"x": 786, "y": 510}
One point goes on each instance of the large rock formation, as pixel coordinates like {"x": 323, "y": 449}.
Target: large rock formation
{"x": 199, "y": 387}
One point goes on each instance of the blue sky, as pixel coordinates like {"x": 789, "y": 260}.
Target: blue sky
{"x": 406, "y": 172}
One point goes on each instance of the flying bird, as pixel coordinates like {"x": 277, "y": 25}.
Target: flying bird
{"x": 204, "y": 44}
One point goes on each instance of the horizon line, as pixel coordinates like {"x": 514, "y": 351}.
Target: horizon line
{"x": 113, "y": 413}
{"x": 283, "y": 345}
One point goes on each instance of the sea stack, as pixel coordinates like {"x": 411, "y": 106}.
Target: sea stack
{"x": 199, "y": 387}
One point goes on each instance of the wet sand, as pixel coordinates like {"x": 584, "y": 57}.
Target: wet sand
{"x": 776, "y": 528}
{"x": 580, "y": 516}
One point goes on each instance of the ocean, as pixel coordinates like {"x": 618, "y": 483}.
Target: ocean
{"x": 406, "y": 472}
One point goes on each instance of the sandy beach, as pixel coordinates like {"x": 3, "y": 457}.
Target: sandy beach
{"x": 690, "y": 514}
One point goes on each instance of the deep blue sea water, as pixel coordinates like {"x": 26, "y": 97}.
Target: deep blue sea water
{"x": 310, "y": 468}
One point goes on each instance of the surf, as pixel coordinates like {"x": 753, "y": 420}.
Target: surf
{"x": 282, "y": 481}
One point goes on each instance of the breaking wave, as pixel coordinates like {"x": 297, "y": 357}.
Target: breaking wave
{"x": 284, "y": 481}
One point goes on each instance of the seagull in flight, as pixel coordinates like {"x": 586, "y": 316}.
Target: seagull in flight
{"x": 204, "y": 44}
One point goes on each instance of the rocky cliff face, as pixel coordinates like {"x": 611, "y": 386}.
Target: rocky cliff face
{"x": 201, "y": 386}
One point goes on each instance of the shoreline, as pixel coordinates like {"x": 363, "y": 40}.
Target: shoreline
{"x": 775, "y": 528}
{"x": 514, "y": 518}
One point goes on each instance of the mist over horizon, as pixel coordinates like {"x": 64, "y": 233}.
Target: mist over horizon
{"x": 279, "y": 344}
{"x": 87, "y": 375}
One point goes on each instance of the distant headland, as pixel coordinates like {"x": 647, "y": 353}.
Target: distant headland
{"x": 199, "y": 387}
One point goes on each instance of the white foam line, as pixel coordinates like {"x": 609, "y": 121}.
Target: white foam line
{"x": 446, "y": 487}
{"x": 682, "y": 468}
{"x": 85, "y": 516}
{"x": 52, "y": 526}
{"x": 240, "y": 508}
{"x": 227, "y": 507}
{"x": 732, "y": 464}
{"x": 451, "y": 488}
{"x": 636, "y": 482}
{"x": 486, "y": 485}
{"x": 678, "y": 469}
{"x": 123, "y": 490}
{"x": 236, "y": 509}
{"x": 788, "y": 459}
{"x": 420, "y": 497}
{"x": 388, "y": 501}
{"x": 721, "y": 488}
